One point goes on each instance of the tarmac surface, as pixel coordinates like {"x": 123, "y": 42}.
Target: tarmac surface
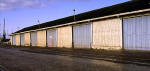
{"x": 14, "y": 59}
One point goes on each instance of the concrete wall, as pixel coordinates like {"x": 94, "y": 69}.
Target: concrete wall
{"x": 41, "y": 38}
{"x": 107, "y": 34}
{"x": 65, "y": 37}
{"x": 27, "y": 39}
{"x": 18, "y": 40}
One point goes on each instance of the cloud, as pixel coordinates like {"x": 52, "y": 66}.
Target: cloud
{"x": 4, "y": 6}
{"x": 32, "y": 3}
{"x": 68, "y": 0}
{"x": 13, "y": 4}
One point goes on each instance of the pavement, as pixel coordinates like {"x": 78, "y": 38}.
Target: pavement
{"x": 120, "y": 56}
{"x": 14, "y": 59}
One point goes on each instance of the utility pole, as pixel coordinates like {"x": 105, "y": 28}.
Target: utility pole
{"x": 4, "y": 33}
{"x": 74, "y": 14}
{"x": 72, "y": 27}
{"x": 39, "y": 23}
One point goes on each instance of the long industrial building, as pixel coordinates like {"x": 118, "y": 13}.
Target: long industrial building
{"x": 122, "y": 26}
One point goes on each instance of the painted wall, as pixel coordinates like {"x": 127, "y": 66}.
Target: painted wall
{"x": 27, "y": 39}
{"x": 18, "y": 40}
{"x": 107, "y": 34}
{"x": 65, "y": 37}
{"x": 41, "y": 38}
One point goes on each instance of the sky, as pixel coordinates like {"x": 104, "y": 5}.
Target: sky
{"x": 24, "y": 13}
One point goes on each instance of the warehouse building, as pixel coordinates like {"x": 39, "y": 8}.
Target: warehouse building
{"x": 121, "y": 26}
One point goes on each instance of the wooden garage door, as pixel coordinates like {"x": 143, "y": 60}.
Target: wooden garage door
{"x": 52, "y": 38}
{"x": 137, "y": 33}
{"x": 82, "y": 36}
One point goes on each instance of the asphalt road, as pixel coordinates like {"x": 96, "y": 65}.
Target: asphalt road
{"x": 16, "y": 60}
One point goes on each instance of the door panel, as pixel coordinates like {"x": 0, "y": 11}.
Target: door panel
{"x": 33, "y": 38}
{"x": 22, "y": 39}
{"x": 137, "y": 33}
{"x": 14, "y": 40}
{"x": 82, "y": 36}
{"x": 52, "y": 38}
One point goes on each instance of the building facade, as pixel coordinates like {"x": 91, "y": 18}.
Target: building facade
{"x": 107, "y": 28}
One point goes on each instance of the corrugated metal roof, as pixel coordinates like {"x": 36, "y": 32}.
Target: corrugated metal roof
{"x": 115, "y": 9}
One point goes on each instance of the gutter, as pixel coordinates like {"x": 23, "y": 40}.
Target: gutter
{"x": 72, "y": 23}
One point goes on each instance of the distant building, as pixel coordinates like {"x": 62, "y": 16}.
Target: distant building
{"x": 121, "y": 26}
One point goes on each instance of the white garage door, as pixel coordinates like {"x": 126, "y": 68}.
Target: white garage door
{"x": 33, "y": 38}
{"x": 52, "y": 38}
{"x": 82, "y": 36}
{"x": 137, "y": 33}
{"x": 14, "y": 40}
{"x": 22, "y": 39}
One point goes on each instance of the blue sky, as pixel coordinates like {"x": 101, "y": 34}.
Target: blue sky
{"x": 24, "y": 13}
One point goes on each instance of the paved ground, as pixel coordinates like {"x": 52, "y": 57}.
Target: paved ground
{"x": 16, "y": 60}
{"x": 123, "y": 56}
